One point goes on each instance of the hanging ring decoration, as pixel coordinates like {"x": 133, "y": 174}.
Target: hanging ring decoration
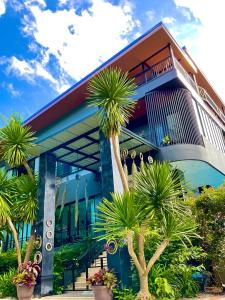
{"x": 124, "y": 154}
{"x": 133, "y": 154}
{"x": 38, "y": 242}
{"x": 111, "y": 247}
{"x": 38, "y": 257}
{"x": 150, "y": 159}
{"x": 141, "y": 156}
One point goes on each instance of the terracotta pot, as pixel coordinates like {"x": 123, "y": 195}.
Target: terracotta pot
{"x": 24, "y": 292}
{"x": 101, "y": 292}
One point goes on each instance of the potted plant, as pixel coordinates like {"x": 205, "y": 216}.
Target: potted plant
{"x": 102, "y": 284}
{"x": 25, "y": 280}
{"x": 166, "y": 140}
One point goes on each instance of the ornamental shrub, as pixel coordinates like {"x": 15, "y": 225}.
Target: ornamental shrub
{"x": 7, "y": 288}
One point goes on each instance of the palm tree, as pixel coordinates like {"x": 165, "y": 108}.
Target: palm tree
{"x": 16, "y": 144}
{"x": 18, "y": 203}
{"x": 111, "y": 91}
{"x": 154, "y": 207}
{"x": 16, "y": 147}
{"x": 6, "y": 189}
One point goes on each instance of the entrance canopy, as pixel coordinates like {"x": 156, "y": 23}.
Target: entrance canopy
{"x": 78, "y": 145}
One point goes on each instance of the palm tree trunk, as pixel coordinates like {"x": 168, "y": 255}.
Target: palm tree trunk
{"x": 30, "y": 245}
{"x": 32, "y": 236}
{"x": 119, "y": 164}
{"x": 15, "y": 236}
{"x": 144, "y": 293}
{"x": 28, "y": 169}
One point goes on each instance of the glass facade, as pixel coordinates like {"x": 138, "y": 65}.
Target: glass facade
{"x": 66, "y": 229}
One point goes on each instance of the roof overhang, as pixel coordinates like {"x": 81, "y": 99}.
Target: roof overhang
{"x": 143, "y": 47}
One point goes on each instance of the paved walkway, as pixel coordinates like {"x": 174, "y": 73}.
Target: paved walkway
{"x": 208, "y": 297}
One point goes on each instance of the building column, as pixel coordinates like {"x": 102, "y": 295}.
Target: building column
{"x": 111, "y": 182}
{"x": 45, "y": 223}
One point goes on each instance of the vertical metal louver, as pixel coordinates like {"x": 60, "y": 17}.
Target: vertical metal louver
{"x": 171, "y": 113}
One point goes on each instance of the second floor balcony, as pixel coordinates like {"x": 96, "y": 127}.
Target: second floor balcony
{"x": 146, "y": 72}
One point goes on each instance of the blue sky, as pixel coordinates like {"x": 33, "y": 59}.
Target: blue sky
{"x": 48, "y": 45}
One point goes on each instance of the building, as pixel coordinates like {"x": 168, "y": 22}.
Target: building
{"x": 179, "y": 117}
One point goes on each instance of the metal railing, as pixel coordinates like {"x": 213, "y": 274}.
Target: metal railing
{"x": 154, "y": 71}
{"x": 186, "y": 75}
{"x": 83, "y": 263}
{"x": 205, "y": 96}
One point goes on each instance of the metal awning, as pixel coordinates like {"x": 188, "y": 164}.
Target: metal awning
{"x": 78, "y": 146}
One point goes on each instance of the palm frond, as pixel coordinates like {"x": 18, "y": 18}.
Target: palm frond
{"x": 25, "y": 199}
{"x": 16, "y": 142}
{"x": 111, "y": 91}
{"x": 5, "y": 197}
{"x": 176, "y": 227}
{"x": 160, "y": 188}
{"x": 116, "y": 217}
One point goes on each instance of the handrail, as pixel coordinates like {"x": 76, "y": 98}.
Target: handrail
{"x": 205, "y": 96}
{"x": 81, "y": 263}
{"x": 185, "y": 74}
{"x": 154, "y": 71}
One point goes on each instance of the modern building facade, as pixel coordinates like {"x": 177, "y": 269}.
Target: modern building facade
{"x": 179, "y": 117}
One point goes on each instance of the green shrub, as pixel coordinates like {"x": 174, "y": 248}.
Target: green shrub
{"x": 8, "y": 260}
{"x": 7, "y": 288}
{"x": 125, "y": 294}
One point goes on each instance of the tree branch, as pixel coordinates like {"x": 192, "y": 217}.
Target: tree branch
{"x": 141, "y": 253}
{"x": 15, "y": 236}
{"x": 132, "y": 252}
{"x": 156, "y": 255}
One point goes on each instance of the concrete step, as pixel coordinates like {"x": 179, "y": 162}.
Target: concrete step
{"x": 77, "y": 295}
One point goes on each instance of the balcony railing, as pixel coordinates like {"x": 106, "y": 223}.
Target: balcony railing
{"x": 154, "y": 71}
{"x": 205, "y": 96}
{"x": 185, "y": 74}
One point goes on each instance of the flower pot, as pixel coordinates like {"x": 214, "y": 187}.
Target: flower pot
{"x": 24, "y": 292}
{"x": 101, "y": 292}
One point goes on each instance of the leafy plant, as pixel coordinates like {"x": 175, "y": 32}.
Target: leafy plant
{"x": 209, "y": 208}
{"x": 27, "y": 274}
{"x": 16, "y": 147}
{"x": 153, "y": 208}
{"x": 7, "y": 288}
{"x": 166, "y": 140}
{"x": 103, "y": 277}
{"x": 125, "y": 294}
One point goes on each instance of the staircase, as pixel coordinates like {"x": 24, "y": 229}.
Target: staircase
{"x": 100, "y": 262}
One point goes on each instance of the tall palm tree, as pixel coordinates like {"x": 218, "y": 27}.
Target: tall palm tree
{"x": 154, "y": 207}
{"x": 111, "y": 91}
{"x": 6, "y": 189}
{"x": 16, "y": 147}
{"x": 16, "y": 144}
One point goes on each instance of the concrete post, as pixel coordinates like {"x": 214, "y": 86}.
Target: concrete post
{"x": 45, "y": 224}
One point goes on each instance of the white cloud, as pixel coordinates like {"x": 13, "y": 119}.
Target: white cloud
{"x": 150, "y": 15}
{"x": 32, "y": 70}
{"x": 2, "y": 7}
{"x": 82, "y": 42}
{"x": 11, "y": 89}
{"x": 207, "y": 42}
{"x": 168, "y": 20}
